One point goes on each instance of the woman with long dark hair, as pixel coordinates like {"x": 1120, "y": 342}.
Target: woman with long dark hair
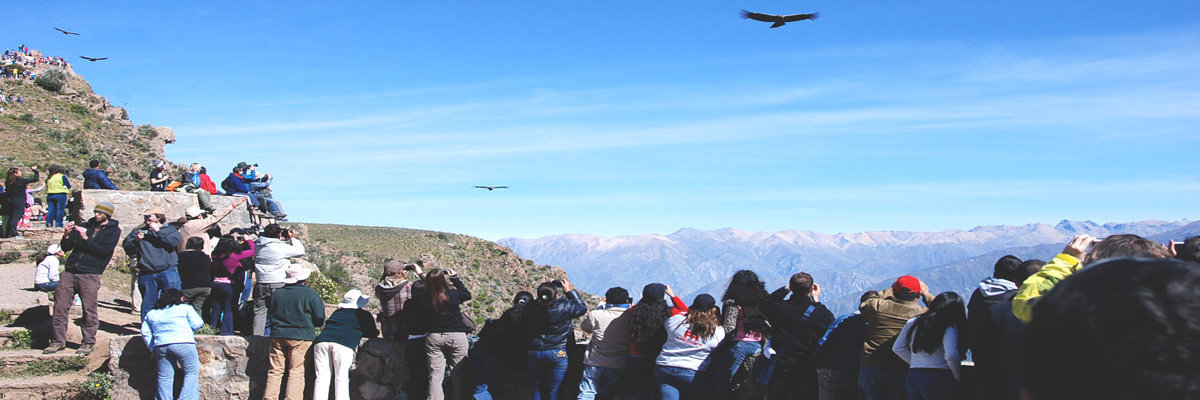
{"x": 929, "y": 344}
{"x": 226, "y": 259}
{"x": 647, "y": 319}
{"x": 691, "y": 337}
{"x": 168, "y": 331}
{"x": 446, "y": 341}
{"x": 503, "y": 342}
{"x": 745, "y": 328}
{"x": 549, "y": 320}
{"x": 12, "y": 201}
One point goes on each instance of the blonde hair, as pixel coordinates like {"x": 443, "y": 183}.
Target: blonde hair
{"x": 194, "y": 168}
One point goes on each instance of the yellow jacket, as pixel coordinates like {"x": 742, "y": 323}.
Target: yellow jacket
{"x": 1038, "y": 284}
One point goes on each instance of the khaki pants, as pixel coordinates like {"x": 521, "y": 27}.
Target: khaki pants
{"x": 444, "y": 351}
{"x": 69, "y": 285}
{"x": 287, "y": 358}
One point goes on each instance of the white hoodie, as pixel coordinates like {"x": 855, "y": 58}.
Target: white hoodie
{"x": 271, "y": 258}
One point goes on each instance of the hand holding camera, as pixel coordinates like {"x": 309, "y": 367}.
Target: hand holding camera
{"x": 1078, "y": 246}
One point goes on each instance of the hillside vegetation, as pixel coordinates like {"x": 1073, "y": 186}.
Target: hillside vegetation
{"x": 73, "y": 125}
{"x": 353, "y": 256}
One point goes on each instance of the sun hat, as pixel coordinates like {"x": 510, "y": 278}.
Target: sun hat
{"x": 53, "y": 249}
{"x": 297, "y": 273}
{"x": 193, "y": 212}
{"x": 354, "y": 299}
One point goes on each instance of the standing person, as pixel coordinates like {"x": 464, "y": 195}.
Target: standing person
{"x": 169, "y": 332}
{"x": 839, "y": 354}
{"x": 502, "y": 346}
{"x": 158, "y": 177}
{"x": 13, "y": 198}
{"x": 1002, "y": 335}
{"x": 197, "y": 224}
{"x": 45, "y": 278}
{"x": 549, "y": 320}
{"x": 226, "y": 260}
{"x": 745, "y": 327}
{"x": 798, "y": 323}
{"x": 57, "y": 189}
{"x": 648, "y": 335}
{"x": 271, "y": 262}
{"x": 195, "y": 274}
{"x": 446, "y": 342}
{"x": 929, "y": 344}
{"x": 882, "y": 373}
{"x": 606, "y": 360}
{"x": 91, "y": 246}
{"x": 691, "y": 337}
{"x": 996, "y": 289}
{"x": 154, "y": 244}
{"x": 333, "y": 351}
{"x": 393, "y": 290}
{"x": 416, "y": 322}
{"x": 296, "y": 312}
{"x": 96, "y": 178}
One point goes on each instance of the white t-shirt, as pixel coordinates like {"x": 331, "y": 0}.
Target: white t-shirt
{"x": 47, "y": 270}
{"x": 683, "y": 348}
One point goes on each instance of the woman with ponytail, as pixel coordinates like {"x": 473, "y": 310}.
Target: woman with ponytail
{"x": 446, "y": 339}
{"x": 549, "y": 320}
{"x": 648, "y": 317}
{"x": 691, "y": 337}
{"x": 929, "y": 344}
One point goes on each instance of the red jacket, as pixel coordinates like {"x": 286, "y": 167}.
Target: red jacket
{"x": 207, "y": 184}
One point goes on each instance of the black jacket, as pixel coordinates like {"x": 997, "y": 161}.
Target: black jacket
{"x": 14, "y": 193}
{"x": 452, "y": 320}
{"x": 92, "y": 255}
{"x": 195, "y": 269}
{"x": 551, "y": 327}
{"x": 843, "y": 343}
{"x": 784, "y": 316}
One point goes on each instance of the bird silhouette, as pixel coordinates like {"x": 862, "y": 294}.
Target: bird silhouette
{"x": 66, "y": 32}
{"x": 778, "y": 20}
{"x": 93, "y": 59}
{"x": 491, "y": 188}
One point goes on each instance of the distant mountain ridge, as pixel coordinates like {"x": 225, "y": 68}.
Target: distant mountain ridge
{"x": 845, "y": 264}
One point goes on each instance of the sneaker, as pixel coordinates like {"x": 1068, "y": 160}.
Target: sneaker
{"x": 54, "y": 348}
{"x": 77, "y": 301}
{"x": 84, "y": 350}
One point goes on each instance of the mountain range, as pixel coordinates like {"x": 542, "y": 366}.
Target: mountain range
{"x": 846, "y": 264}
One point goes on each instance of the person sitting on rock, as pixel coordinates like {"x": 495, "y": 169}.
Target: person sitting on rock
{"x": 237, "y": 185}
{"x": 206, "y": 182}
{"x": 159, "y": 178}
{"x": 46, "y": 277}
{"x": 190, "y": 182}
{"x": 96, "y": 178}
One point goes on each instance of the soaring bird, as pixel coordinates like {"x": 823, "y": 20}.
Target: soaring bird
{"x": 779, "y": 20}
{"x": 93, "y": 59}
{"x": 491, "y": 188}
{"x": 66, "y": 32}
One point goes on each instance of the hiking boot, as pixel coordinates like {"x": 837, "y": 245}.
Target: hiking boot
{"x": 54, "y": 348}
{"x": 84, "y": 349}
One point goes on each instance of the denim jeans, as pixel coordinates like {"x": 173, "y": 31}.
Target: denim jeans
{"x": 547, "y": 367}
{"x": 931, "y": 384}
{"x": 599, "y": 381}
{"x": 879, "y": 383}
{"x": 152, "y": 283}
{"x": 222, "y": 307}
{"x": 189, "y": 361}
{"x": 722, "y": 374}
{"x": 487, "y": 369}
{"x": 56, "y": 209}
{"x": 641, "y": 374}
{"x": 46, "y": 287}
{"x": 674, "y": 382}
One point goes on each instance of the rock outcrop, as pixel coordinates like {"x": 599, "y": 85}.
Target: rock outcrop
{"x": 130, "y": 205}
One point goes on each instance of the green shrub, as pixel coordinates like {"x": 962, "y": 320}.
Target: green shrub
{"x": 21, "y": 339}
{"x": 98, "y": 386}
{"x": 147, "y": 131}
{"x": 26, "y": 117}
{"x": 6, "y": 317}
{"x": 78, "y": 109}
{"x": 327, "y": 288}
{"x": 52, "y": 80}
{"x": 55, "y": 366}
{"x": 206, "y": 330}
{"x": 124, "y": 114}
{"x": 9, "y": 256}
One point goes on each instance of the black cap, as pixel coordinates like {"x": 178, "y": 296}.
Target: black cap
{"x": 243, "y": 165}
{"x": 703, "y": 302}
{"x": 654, "y": 291}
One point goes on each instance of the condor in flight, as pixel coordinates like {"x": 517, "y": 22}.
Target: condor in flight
{"x": 778, "y": 20}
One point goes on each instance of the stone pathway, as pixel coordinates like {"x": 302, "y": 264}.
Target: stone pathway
{"x": 16, "y": 288}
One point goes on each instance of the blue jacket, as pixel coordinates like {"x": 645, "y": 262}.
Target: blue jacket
{"x": 552, "y": 325}
{"x": 174, "y": 324}
{"x": 95, "y": 178}
{"x": 235, "y": 184}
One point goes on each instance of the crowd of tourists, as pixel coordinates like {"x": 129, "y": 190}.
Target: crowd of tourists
{"x": 24, "y": 57}
{"x": 1111, "y": 318}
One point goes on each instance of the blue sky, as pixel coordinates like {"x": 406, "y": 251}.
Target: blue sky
{"x": 632, "y": 117}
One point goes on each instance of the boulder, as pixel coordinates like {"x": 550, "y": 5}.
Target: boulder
{"x": 130, "y": 205}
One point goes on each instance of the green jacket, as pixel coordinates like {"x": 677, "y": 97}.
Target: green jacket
{"x": 1038, "y": 284}
{"x": 296, "y": 312}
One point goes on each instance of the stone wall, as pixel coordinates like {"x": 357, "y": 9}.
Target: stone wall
{"x": 131, "y": 204}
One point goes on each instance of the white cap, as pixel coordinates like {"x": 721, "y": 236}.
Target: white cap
{"x": 53, "y": 249}
{"x": 354, "y": 299}
{"x": 193, "y": 211}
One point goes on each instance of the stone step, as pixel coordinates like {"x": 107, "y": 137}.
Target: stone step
{"x": 14, "y": 358}
{"x": 44, "y": 387}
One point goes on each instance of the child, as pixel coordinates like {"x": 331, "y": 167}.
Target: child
{"x": 46, "y": 277}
